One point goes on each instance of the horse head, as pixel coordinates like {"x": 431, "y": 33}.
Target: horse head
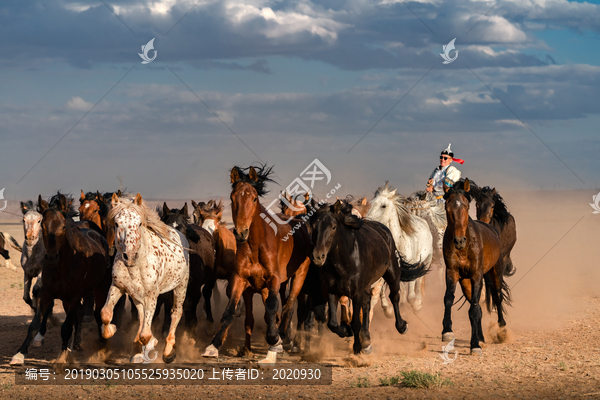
{"x": 485, "y": 203}
{"x": 174, "y": 217}
{"x": 457, "y": 199}
{"x": 32, "y": 222}
{"x": 128, "y": 223}
{"x": 246, "y": 189}
{"x": 56, "y": 215}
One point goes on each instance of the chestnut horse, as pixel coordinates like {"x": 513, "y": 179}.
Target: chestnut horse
{"x": 471, "y": 251}
{"x": 75, "y": 265}
{"x": 263, "y": 260}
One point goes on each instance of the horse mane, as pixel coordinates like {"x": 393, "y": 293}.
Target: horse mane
{"x": 150, "y": 218}
{"x": 92, "y": 197}
{"x": 264, "y": 175}
{"x": 501, "y": 213}
{"x": 405, "y": 217}
{"x": 424, "y": 200}
{"x": 343, "y": 216}
{"x": 459, "y": 188}
{"x": 54, "y": 204}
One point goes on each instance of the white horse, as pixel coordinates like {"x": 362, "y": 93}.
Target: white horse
{"x": 152, "y": 258}
{"x": 33, "y": 252}
{"x": 411, "y": 234}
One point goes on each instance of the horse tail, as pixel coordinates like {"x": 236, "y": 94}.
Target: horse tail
{"x": 410, "y": 272}
{"x": 13, "y": 242}
{"x": 504, "y": 296}
{"x": 488, "y": 292}
{"x": 509, "y": 268}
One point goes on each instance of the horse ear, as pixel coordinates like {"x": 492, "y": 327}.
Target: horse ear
{"x": 24, "y": 208}
{"x": 42, "y": 204}
{"x": 69, "y": 204}
{"x": 220, "y": 205}
{"x": 184, "y": 210}
{"x": 82, "y": 196}
{"x": 337, "y": 206}
{"x": 306, "y": 196}
{"x": 63, "y": 203}
{"x": 394, "y": 191}
{"x": 114, "y": 200}
{"x": 494, "y": 192}
{"x": 194, "y": 204}
{"x": 252, "y": 174}
{"x": 119, "y": 193}
{"x": 138, "y": 199}
{"x": 364, "y": 201}
{"x": 467, "y": 186}
{"x": 99, "y": 196}
{"x": 235, "y": 175}
{"x": 211, "y": 203}
{"x": 220, "y": 213}
{"x": 446, "y": 187}
{"x": 166, "y": 209}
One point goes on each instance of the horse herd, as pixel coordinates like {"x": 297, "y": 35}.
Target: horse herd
{"x": 349, "y": 253}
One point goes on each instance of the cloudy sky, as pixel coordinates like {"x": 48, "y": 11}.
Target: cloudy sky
{"x": 284, "y": 82}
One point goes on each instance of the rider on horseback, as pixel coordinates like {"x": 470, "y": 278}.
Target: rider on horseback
{"x": 444, "y": 173}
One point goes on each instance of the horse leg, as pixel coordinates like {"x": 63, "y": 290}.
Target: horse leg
{"x": 207, "y": 291}
{"x": 66, "y": 331}
{"x": 451, "y": 279}
{"x": 134, "y": 310}
{"x": 345, "y": 316}
{"x": 342, "y": 330}
{"x": 176, "y": 311}
{"x": 497, "y": 279}
{"x": 357, "y": 306}
{"x": 392, "y": 278}
{"x": 88, "y": 307}
{"x": 79, "y": 315}
{"x": 475, "y": 314}
{"x": 192, "y": 298}
{"x": 44, "y": 304}
{"x": 365, "y": 334}
{"x": 138, "y": 347}
{"x": 168, "y": 309}
{"x": 238, "y": 285}
{"x": 388, "y": 310}
{"x": 303, "y": 324}
{"x": 39, "y": 339}
{"x": 106, "y": 315}
{"x": 295, "y": 288}
{"x": 26, "y": 289}
{"x": 376, "y": 290}
{"x": 249, "y": 321}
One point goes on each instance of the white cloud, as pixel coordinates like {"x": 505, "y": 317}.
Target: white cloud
{"x": 78, "y": 104}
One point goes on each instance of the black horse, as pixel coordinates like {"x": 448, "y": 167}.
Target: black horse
{"x": 354, "y": 253}
{"x": 202, "y": 262}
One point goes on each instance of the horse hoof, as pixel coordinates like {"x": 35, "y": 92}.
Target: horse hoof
{"x": 18, "y": 359}
{"x": 210, "y": 329}
{"x": 211, "y": 351}
{"x": 368, "y": 349}
{"x": 64, "y": 357}
{"x": 137, "y": 359}
{"x": 270, "y": 359}
{"x": 170, "y": 358}
{"x": 448, "y": 336}
{"x": 38, "y": 341}
{"x": 109, "y": 331}
{"x": 476, "y": 352}
{"x": 295, "y": 350}
{"x": 403, "y": 329}
{"x": 388, "y": 312}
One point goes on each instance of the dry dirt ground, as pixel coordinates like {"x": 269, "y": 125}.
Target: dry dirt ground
{"x": 551, "y": 350}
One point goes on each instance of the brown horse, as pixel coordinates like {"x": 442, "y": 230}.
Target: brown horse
{"x": 492, "y": 210}
{"x": 75, "y": 265}
{"x": 263, "y": 260}
{"x": 471, "y": 251}
{"x": 293, "y": 206}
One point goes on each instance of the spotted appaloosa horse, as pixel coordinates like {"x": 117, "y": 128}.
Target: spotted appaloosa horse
{"x": 263, "y": 260}
{"x": 151, "y": 259}
{"x": 5, "y": 239}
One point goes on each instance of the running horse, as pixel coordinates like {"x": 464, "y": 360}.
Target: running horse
{"x": 263, "y": 260}
{"x": 152, "y": 258}
{"x": 354, "y": 254}
{"x": 492, "y": 210}
{"x": 75, "y": 265}
{"x": 471, "y": 253}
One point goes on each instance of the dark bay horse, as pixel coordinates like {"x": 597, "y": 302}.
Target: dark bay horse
{"x": 202, "y": 261}
{"x": 75, "y": 265}
{"x": 492, "y": 210}
{"x": 471, "y": 252}
{"x": 263, "y": 260}
{"x": 354, "y": 253}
